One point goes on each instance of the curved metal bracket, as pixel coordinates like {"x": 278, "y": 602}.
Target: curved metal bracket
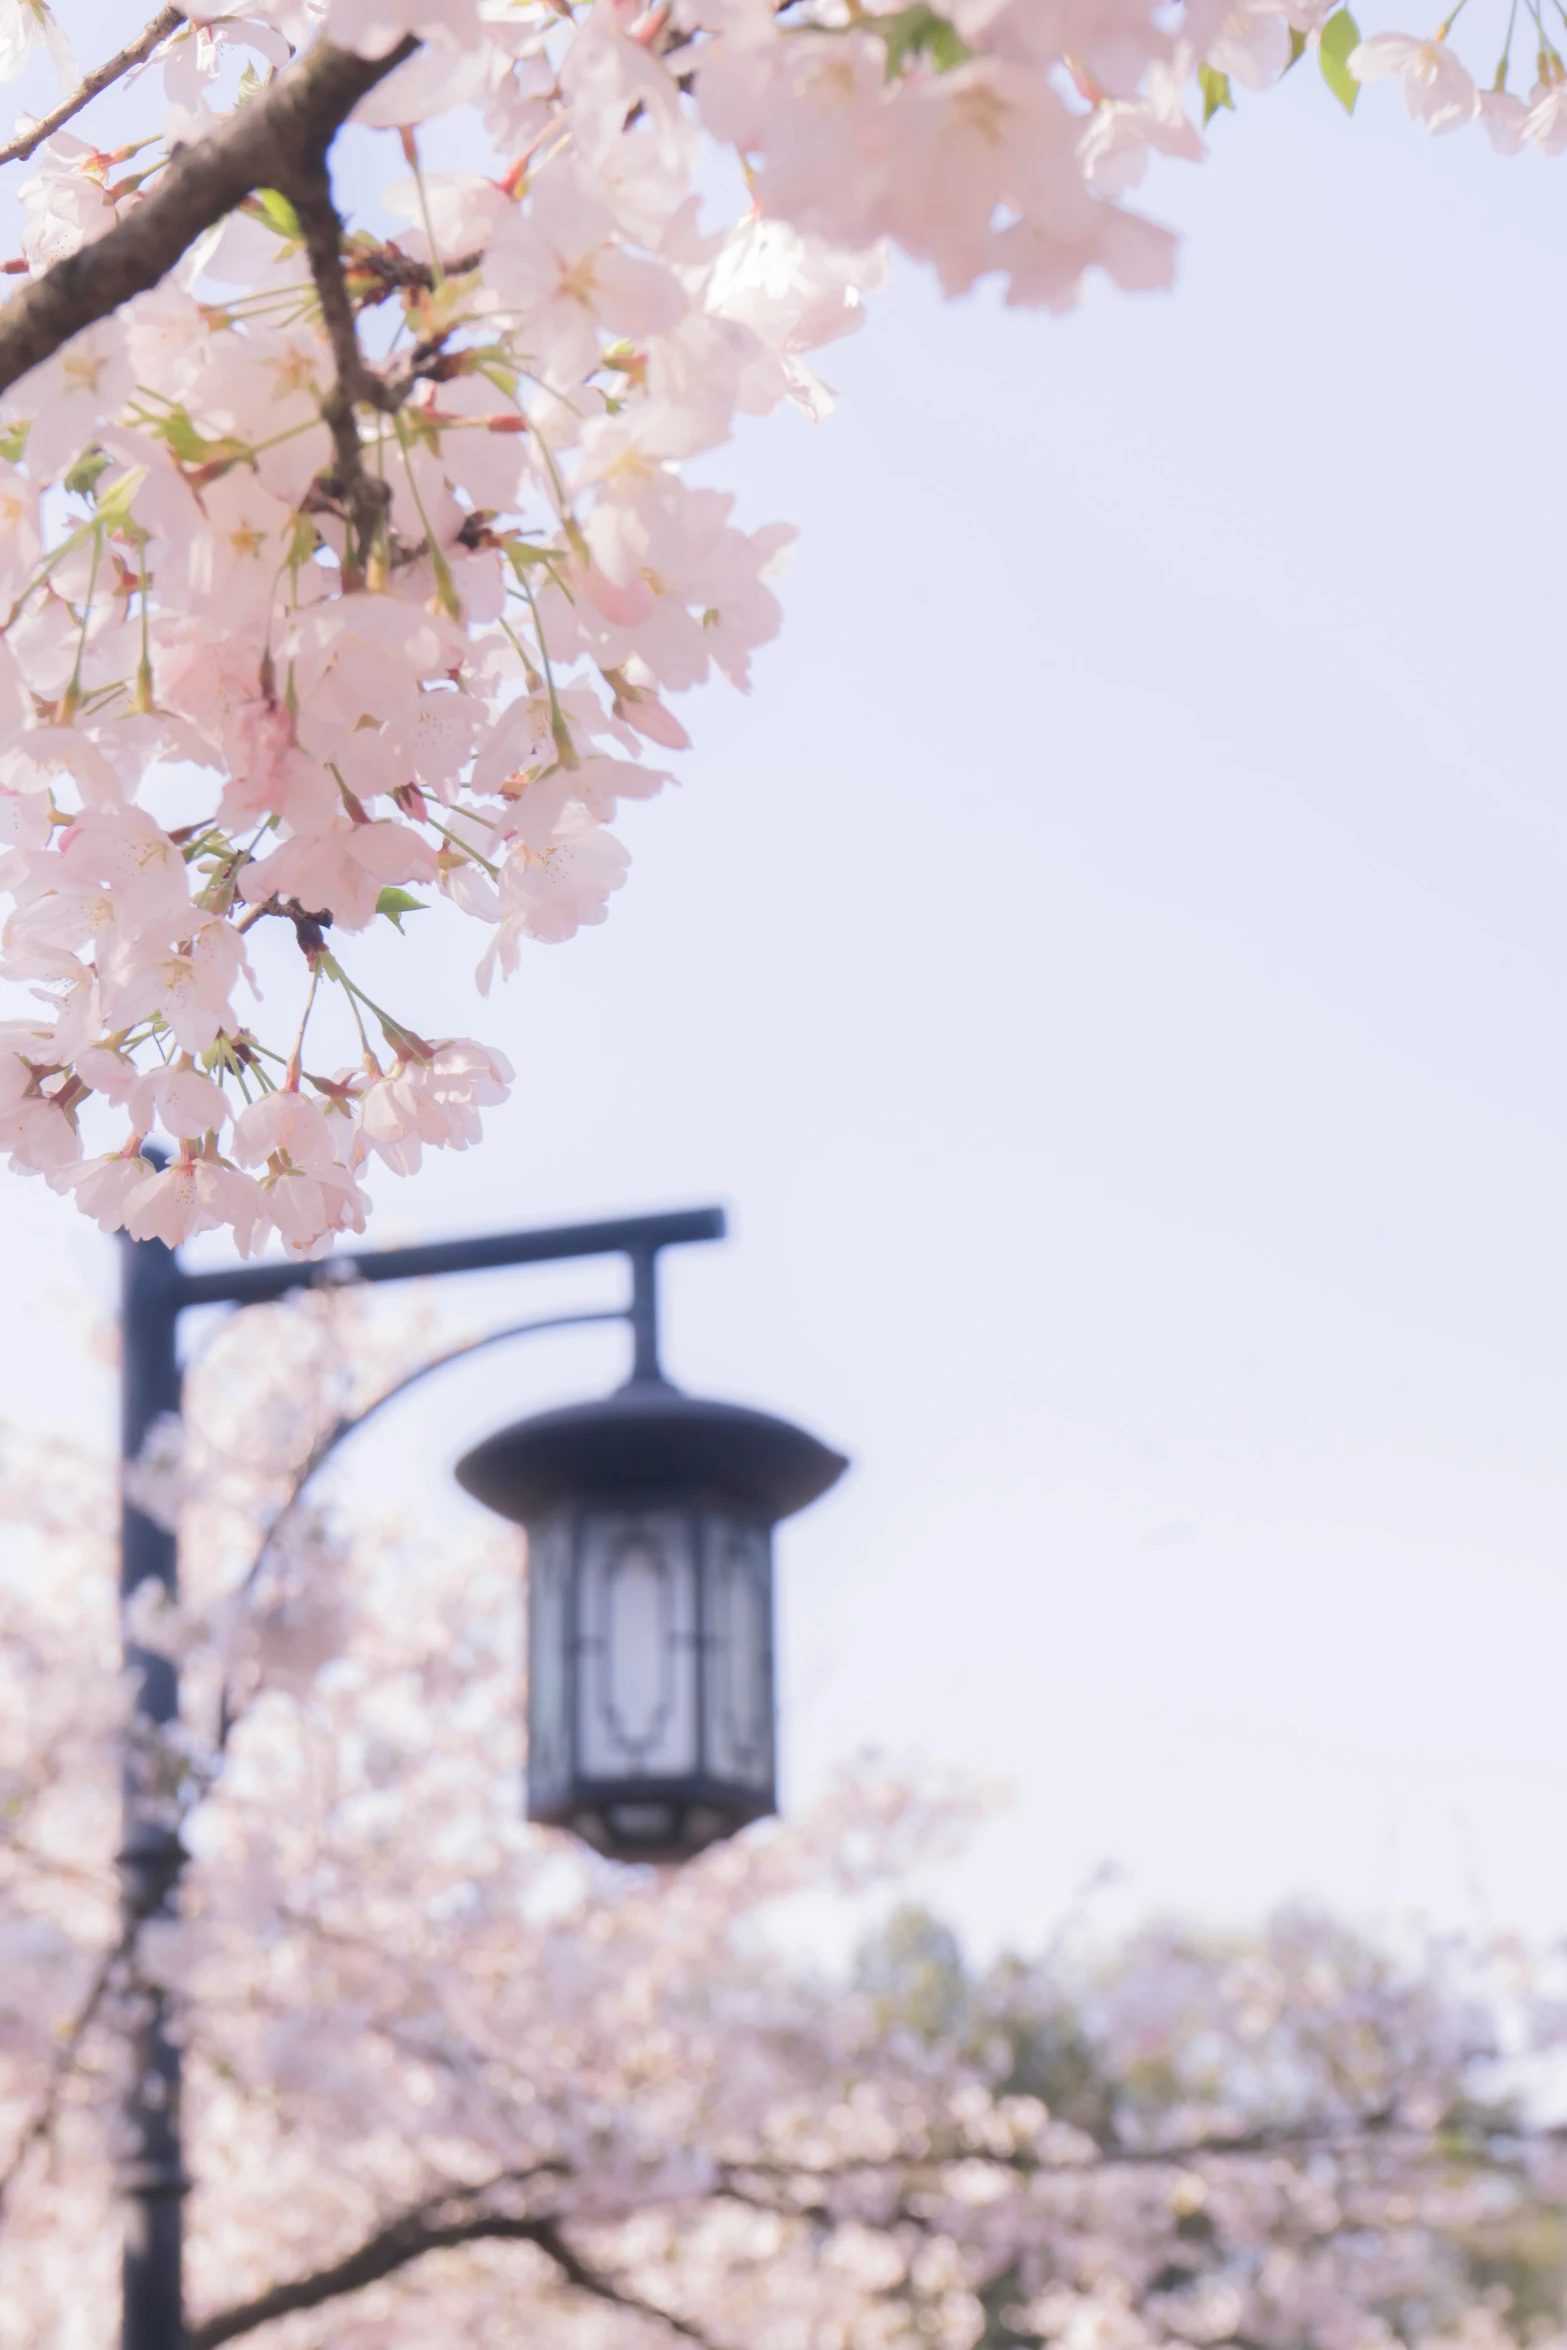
{"x": 344, "y": 1428}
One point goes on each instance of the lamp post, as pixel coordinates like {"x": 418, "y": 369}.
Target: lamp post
{"x": 651, "y": 1716}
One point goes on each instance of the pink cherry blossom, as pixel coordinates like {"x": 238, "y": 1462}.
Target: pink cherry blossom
{"x": 1545, "y": 125}
{"x": 1506, "y": 118}
{"x": 19, "y": 533}
{"x": 37, "y": 1133}
{"x": 341, "y": 871}
{"x": 549, "y": 894}
{"x": 64, "y": 205}
{"x": 795, "y": 293}
{"x": 460, "y": 208}
{"x": 1122, "y": 133}
{"x": 1438, "y": 91}
{"x": 103, "y": 1187}
{"x": 430, "y": 84}
{"x": 187, "y": 1103}
{"x": 313, "y": 1207}
{"x": 69, "y": 396}
{"x": 187, "y": 1198}
{"x": 388, "y": 1119}
{"x": 188, "y": 985}
{"x": 372, "y": 27}
{"x": 365, "y": 656}
{"x": 25, "y": 27}
{"x": 432, "y": 1101}
{"x": 679, "y": 584}
{"x": 237, "y": 561}
{"x": 562, "y": 269}
{"x": 816, "y": 108}
{"x": 461, "y": 1078}
{"x": 1252, "y": 44}
{"x": 288, "y": 1124}
{"x": 132, "y": 860}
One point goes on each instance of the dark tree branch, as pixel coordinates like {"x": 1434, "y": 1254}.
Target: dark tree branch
{"x": 470, "y": 2217}
{"x": 438, "y": 2226}
{"x": 279, "y": 138}
{"x": 168, "y": 20}
{"x": 602, "y": 2288}
{"x": 1330, "y": 2135}
{"x": 363, "y": 497}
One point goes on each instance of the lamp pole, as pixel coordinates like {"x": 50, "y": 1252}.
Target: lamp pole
{"x": 155, "y": 1290}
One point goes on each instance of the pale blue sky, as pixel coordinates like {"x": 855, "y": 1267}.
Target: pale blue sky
{"x": 1112, "y": 967}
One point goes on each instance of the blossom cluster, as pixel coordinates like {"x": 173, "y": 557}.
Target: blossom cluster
{"x": 1441, "y": 94}
{"x": 342, "y": 567}
{"x": 227, "y": 701}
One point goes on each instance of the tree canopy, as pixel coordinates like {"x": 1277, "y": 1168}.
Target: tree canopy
{"x": 449, "y": 2078}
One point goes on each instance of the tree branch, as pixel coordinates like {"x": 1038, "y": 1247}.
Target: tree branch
{"x": 593, "y": 2281}
{"x": 432, "y": 2227}
{"x": 279, "y": 136}
{"x": 468, "y": 2217}
{"x": 1348, "y": 2131}
{"x": 135, "y": 52}
{"x": 363, "y": 497}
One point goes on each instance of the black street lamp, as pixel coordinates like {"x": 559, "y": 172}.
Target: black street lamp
{"x": 650, "y": 1520}
{"x": 651, "y": 1711}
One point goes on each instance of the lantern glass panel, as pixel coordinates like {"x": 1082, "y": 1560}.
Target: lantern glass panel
{"x": 636, "y": 1645}
{"x": 549, "y": 1635}
{"x": 738, "y": 1683}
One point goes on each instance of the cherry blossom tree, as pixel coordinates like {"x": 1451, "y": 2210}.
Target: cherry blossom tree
{"x": 343, "y": 562}
{"x": 451, "y": 2080}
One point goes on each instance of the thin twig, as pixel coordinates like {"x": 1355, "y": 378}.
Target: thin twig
{"x": 363, "y": 496}
{"x": 390, "y": 271}
{"x": 1329, "y": 2135}
{"x": 308, "y": 926}
{"x": 135, "y": 52}
{"x": 64, "y": 2058}
{"x": 602, "y": 2288}
{"x": 276, "y": 137}
{"x": 258, "y": 913}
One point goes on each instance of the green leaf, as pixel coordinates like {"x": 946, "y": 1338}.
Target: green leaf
{"x": 116, "y": 507}
{"x": 13, "y": 442}
{"x": 519, "y": 554}
{"x": 83, "y": 476}
{"x": 192, "y": 447}
{"x": 183, "y": 438}
{"x": 1215, "y": 89}
{"x": 920, "y": 32}
{"x": 1297, "y": 46}
{"x": 395, "y": 903}
{"x": 1340, "y": 35}
{"x": 280, "y": 213}
{"x": 485, "y": 363}
{"x": 946, "y": 47}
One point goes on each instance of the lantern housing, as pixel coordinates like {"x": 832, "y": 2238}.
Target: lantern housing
{"x": 649, "y": 1514}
